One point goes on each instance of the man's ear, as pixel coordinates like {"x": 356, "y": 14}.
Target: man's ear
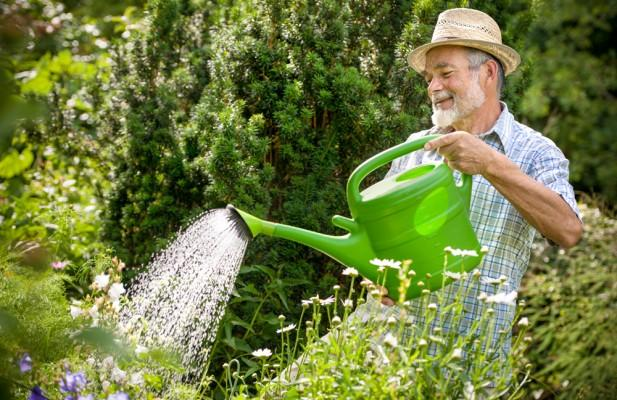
{"x": 492, "y": 71}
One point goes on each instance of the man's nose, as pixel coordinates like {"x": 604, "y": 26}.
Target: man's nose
{"x": 434, "y": 85}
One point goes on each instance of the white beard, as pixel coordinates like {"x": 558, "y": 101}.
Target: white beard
{"x": 461, "y": 108}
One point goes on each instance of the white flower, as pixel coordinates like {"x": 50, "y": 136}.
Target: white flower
{"x": 139, "y": 350}
{"x": 390, "y": 340}
{"x": 386, "y": 263}
{"x": 350, "y": 271}
{"x": 432, "y": 306}
{"x": 76, "y": 311}
{"x": 453, "y": 275}
{"x": 348, "y": 303}
{"x": 118, "y": 375}
{"x": 137, "y": 379}
{"x": 94, "y": 311}
{"x": 101, "y": 281}
{"x": 469, "y": 392}
{"x": 483, "y": 296}
{"x": 116, "y": 290}
{"x": 460, "y": 252}
{"x": 494, "y": 281}
{"x": 108, "y": 363}
{"x": 105, "y": 385}
{"x": 262, "y": 353}
{"x": 503, "y": 298}
{"x": 286, "y": 329}
{"x": 523, "y": 322}
{"x": 457, "y": 353}
{"x": 328, "y": 301}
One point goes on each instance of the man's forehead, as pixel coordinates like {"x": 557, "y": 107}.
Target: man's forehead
{"x": 445, "y": 57}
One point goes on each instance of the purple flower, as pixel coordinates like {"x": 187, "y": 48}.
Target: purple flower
{"x": 73, "y": 383}
{"x": 25, "y": 364}
{"x": 118, "y": 396}
{"x": 36, "y": 394}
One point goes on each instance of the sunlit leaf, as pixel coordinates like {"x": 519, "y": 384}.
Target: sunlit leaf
{"x": 15, "y": 163}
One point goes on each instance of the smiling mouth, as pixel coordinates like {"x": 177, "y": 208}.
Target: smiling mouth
{"x": 437, "y": 102}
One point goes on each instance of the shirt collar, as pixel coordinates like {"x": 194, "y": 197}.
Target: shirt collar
{"x": 503, "y": 128}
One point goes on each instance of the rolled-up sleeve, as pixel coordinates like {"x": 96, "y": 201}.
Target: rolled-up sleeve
{"x": 551, "y": 168}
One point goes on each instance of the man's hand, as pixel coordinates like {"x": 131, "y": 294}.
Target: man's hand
{"x": 385, "y": 300}
{"x": 463, "y": 151}
{"x": 540, "y": 206}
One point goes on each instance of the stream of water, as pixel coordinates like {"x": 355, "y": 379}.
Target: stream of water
{"x": 180, "y": 299}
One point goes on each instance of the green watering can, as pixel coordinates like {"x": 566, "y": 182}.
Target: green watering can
{"x": 413, "y": 215}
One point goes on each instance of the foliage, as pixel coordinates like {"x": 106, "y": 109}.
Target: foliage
{"x": 52, "y": 158}
{"x": 572, "y": 87}
{"x": 75, "y": 348}
{"x": 385, "y": 354}
{"x": 571, "y": 308}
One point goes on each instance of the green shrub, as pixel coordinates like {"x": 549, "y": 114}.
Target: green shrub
{"x": 571, "y": 307}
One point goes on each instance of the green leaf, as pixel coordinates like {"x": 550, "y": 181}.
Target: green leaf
{"x": 15, "y": 163}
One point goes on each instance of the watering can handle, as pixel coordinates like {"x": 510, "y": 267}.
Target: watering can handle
{"x": 363, "y": 170}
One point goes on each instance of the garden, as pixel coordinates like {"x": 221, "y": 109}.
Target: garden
{"x": 123, "y": 123}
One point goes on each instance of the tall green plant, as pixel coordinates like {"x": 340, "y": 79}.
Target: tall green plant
{"x": 571, "y": 93}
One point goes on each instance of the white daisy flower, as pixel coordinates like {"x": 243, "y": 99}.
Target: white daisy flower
{"x": 453, "y": 275}
{"x": 327, "y": 301}
{"x": 262, "y": 353}
{"x": 503, "y": 298}
{"x": 494, "y": 281}
{"x": 350, "y": 271}
{"x": 287, "y": 328}
{"x": 460, "y": 252}
{"x": 386, "y": 263}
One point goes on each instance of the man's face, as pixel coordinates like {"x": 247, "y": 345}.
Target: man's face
{"x": 453, "y": 88}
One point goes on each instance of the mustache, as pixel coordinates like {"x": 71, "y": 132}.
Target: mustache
{"x": 437, "y": 97}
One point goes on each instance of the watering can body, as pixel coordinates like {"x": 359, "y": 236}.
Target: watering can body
{"x": 413, "y": 215}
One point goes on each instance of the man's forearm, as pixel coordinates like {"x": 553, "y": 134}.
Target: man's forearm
{"x": 542, "y": 207}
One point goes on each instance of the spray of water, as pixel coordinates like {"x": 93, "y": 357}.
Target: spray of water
{"x": 178, "y": 302}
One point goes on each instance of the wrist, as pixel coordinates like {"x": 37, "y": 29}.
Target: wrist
{"x": 495, "y": 165}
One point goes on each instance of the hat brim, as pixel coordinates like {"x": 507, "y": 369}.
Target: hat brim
{"x": 508, "y": 57}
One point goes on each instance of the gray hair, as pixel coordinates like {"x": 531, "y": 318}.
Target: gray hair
{"x": 478, "y": 57}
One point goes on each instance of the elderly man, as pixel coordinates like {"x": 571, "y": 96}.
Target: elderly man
{"x": 520, "y": 178}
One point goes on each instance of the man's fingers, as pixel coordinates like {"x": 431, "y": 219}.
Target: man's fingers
{"x": 444, "y": 140}
{"x": 440, "y": 142}
{"x": 385, "y": 300}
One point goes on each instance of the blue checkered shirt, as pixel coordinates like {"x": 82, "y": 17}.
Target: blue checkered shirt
{"x": 498, "y": 225}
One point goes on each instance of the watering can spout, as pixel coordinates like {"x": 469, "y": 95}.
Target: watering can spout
{"x": 353, "y": 249}
{"x": 254, "y": 224}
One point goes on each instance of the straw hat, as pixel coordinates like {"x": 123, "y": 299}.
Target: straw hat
{"x": 469, "y": 28}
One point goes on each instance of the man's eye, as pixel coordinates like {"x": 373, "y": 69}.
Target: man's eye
{"x": 447, "y": 74}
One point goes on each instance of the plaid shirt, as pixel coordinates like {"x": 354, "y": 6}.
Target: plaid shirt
{"x": 498, "y": 225}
